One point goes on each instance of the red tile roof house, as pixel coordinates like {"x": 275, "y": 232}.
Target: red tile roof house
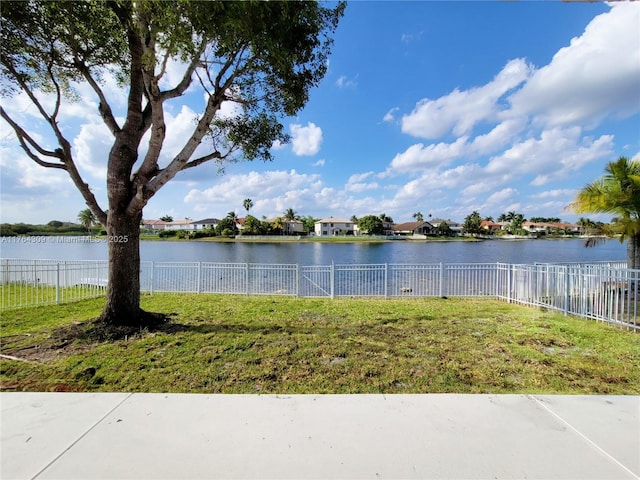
{"x": 492, "y": 227}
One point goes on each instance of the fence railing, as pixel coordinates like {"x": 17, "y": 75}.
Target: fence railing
{"x": 604, "y": 290}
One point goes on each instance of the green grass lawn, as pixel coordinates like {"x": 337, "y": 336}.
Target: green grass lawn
{"x": 242, "y": 344}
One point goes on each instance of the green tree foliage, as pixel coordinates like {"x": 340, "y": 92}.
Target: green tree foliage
{"x": 617, "y": 193}
{"x": 252, "y": 226}
{"x": 545, "y": 220}
{"x": 290, "y": 214}
{"x": 86, "y": 218}
{"x": 247, "y": 204}
{"x": 166, "y": 218}
{"x": 472, "y": 224}
{"x": 385, "y": 218}
{"x": 371, "y": 225}
{"x": 309, "y": 223}
{"x": 261, "y": 56}
{"x": 227, "y": 227}
{"x": 278, "y": 225}
{"x": 444, "y": 229}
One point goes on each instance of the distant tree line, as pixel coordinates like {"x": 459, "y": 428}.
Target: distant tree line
{"x": 54, "y": 227}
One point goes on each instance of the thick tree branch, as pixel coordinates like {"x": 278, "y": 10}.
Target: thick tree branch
{"x": 28, "y": 143}
{"x": 179, "y": 89}
{"x": 144, "y": 192}
{"x": 104, "y": 108}
{"x": 24, "y": 138}
{"x": 199, "y": 161}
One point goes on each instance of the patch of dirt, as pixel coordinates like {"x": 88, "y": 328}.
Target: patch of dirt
{"x": 81, "y": 337}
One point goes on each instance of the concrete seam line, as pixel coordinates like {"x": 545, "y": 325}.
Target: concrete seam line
{"x": 585, "y": 438}
{"x": 75, "y": 442}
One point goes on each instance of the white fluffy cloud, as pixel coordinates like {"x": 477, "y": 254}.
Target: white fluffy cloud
{"x": 528, "y": 125}
{"x": 306, "y": 140}
{"x": 555, "y": 155}
{"x": 357, "y": 183}
{"x": 595, "y": 76}
{"x": 269, "y": 190}
{"x": 460, "y": 111}
{"x": 419, "y": 156}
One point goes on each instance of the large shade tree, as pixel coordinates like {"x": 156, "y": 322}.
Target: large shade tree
{"x": 616, "y": 193}
{"x": 262, "y": 57}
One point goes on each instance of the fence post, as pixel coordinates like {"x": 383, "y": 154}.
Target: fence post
{"x": 151, "y": 277}
{"x": 199, "y": 288}
{"x": 246, "y": 283}
{"x": 332, "y": 279}
{"x": 567, "y": 284}
{"x": 510, "y": 268}
{"x": 297, "y": 279}
{"x": 386, "y": 280}
{"x": 441, "y": 286}
{"x": 57, "y": 282}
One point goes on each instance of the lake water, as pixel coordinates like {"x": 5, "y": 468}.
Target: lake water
{"x": 318, "y": 253}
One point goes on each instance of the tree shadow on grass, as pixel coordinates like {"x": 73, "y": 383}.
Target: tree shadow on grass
{"x": 97, "y": 330}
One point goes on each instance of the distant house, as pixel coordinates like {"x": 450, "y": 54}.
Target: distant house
{"x": 492, "y": 227}
{"x": 565, "y": 227}
{"x": 414, "y": 228}
{"x": 207, "y": 223}
{"x": 333, "y": 226}
{"x": 154, "y": 225}
{"x": 536, "y": 227}
{"x": 289, "y": 227}
{"x": 455, "y": 227}
{"x": 186, "y": 224}
{"x": 545, "y": 228}
{"x": 293, "y": 227}
{"x": 387, "y": 227}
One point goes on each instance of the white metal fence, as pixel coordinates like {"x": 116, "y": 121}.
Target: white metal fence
{"x": 605, "y": 291}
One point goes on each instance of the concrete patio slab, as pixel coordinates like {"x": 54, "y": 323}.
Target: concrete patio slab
{"x": 160, "y": 436}
{"x": 36, "y": 428}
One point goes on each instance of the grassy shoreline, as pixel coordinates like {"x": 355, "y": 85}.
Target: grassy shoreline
{"x": 276, "y": 239}
{"x": 235, "y": 344}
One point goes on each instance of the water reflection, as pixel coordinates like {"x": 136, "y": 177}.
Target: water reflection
{"x": 401, "y": 252}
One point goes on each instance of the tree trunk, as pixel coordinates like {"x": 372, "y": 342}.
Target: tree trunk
{"x": 123, "y": 290}
{"x": 123, "y": 235}
{"x": 633, "y": 252}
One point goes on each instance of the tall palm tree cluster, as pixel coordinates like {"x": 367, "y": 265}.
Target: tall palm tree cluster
{"x": 617, "y": 193}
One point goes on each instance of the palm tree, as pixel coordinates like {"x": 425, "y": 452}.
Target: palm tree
{"x": 247, "y": 204}
{"x": 290, "y": 214}
{"x": 278, "y": 224}
{"x": 87, "y": 219}
{"x": 617, "y": 193}
{"x": 385, "y": 218}
{"x": 419, "y": 217}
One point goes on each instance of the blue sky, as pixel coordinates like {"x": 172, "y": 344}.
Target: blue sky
{"x": 441, "y": 108}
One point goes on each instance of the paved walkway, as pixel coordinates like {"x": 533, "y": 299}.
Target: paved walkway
{"x": 159, "y": 436}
